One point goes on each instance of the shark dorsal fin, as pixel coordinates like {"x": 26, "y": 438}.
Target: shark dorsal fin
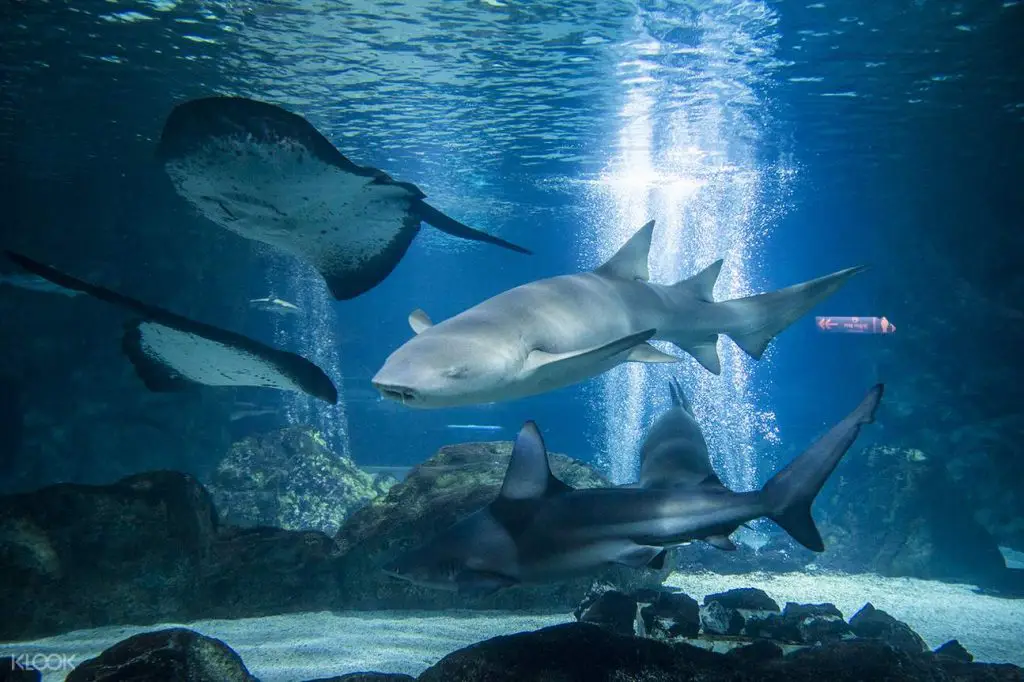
{"x": 419, "y": 321}
{"x": 702, "y": 285}
{"x": 528, "y": 475}
{"x": 679, "y": 398}
{"x": 630, "y": 261}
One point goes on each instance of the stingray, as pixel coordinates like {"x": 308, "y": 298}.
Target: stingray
{"x": 268, "y": 175}
{"x": 174, "y": 353}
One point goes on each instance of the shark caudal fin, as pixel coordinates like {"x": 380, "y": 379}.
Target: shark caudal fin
{"x": 788, "y": 495}
{"x": 760, "y": 318}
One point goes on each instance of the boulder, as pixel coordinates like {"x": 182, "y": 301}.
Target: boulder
{"x": 670, "y": 614}
{"x": 744, "y": 598}
{"x": 455, "y": 482}
{"x": 148, "y": 549}
{"x": 265, "y": 571}
{"x": 290, "y": 479}
{"x": 172, "y": 655}
{"x": 897, "y": 512}
{"x": 872, "y": 623}
{"x": 613, "y": 610}
{"x": 367, "y": 677}
{"x": 79, "y": 556}
{"x": 720, "y": 620}
{"x": 955, "y": 650}
{"x": 581, "y": 651}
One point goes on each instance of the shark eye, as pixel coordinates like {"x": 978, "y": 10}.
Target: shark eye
{"x": 456, "y": 372}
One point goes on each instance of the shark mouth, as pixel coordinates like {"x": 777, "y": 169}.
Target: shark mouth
{"x": 402, "y": 394}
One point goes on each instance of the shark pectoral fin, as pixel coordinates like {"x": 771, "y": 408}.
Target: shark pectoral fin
{"x": 419, "y": 321}
{"x": 645, "y": 352}
{"x": 639, "y": 556}
{"x": 706, "y": 353}
{"x": 576, "y": 363}
{"x": 721, "y": 542}
{"x": 630, "y": 261}
{"x": 482, "y": 583}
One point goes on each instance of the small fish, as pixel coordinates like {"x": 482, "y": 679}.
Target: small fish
{"x": 474, "y": 427}
{"x": 37, "y": 283}
{"x": 278, "y": 306}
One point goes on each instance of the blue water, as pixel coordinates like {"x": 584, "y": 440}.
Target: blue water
{"x": 790, "y": 138}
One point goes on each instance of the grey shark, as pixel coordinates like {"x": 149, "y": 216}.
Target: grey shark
{"x": 559, "y": 331}
{"x": 268, "y": 175}
{"x": 541, "y": 530}
{"x": 173, "y": 353}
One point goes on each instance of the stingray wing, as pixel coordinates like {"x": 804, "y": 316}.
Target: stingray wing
{"x": 268, "y": 175}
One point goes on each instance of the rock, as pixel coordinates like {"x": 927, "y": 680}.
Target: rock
{"x": 801, "y": 611}
{"x": 818, "y": 629}
{"x": 856, "y": 660}
{"x": 720, "y": 620}
{"x": 732, "y": 611}
{"x": 955, "y": 650}
{"x": 289, "y": 479}
{"x": 815, "y": 623}
{"x": 745, "y": 598}
{"x": 367, "y": 677}
{"x": 671, "y": 615}
{"x": 592, "y": 595}
{"x": 581, "y": 651}
{"x": 12, "y": 671}
{"x": 756, "y": 652}
{"x": 907, "y": 518}
{"x": 613, "y": 610}
{"x": 80, "y": 556}
{"x": 172, "y": 655}
{"x": 874, "y": 623}
{"x": 574, "y": 651}
{"x": 264, "y": 571}
{"x": 455, "y": 482}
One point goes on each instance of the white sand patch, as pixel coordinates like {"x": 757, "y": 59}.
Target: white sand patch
{"x": 306, "y": 646}
{"x": 989, "y": 627}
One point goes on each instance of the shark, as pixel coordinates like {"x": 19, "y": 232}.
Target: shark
{"x": 555, "y": 332}
{"x": 541, "y": 530}
{"x": 267, "y": 174}
{"x": 172, "y": 353}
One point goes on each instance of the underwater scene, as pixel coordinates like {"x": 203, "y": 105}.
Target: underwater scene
{"x": 513, "y": 340}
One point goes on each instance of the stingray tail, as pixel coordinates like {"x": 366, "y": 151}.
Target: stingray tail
{"x": 788, "y": 495}
{"x": 432, "y": 216}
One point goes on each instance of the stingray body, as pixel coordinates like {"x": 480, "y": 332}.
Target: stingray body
{"x": 172, "y": 353}
{"x": 268, "y": 175}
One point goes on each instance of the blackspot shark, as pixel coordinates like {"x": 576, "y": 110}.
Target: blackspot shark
{"x": 541, "y": 530}
{"x": 172, "y": 353}
{"x": 267, "y": 174}
{"x": 556, "y": 332}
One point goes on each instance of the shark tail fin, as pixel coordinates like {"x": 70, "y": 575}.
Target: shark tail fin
{"x": 762, "y": 317}
{"x": 787, "y": 497}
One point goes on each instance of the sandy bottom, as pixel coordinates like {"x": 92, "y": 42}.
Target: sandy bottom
{"x": 310, "y": 645}
{"x": 989, "y": 627}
